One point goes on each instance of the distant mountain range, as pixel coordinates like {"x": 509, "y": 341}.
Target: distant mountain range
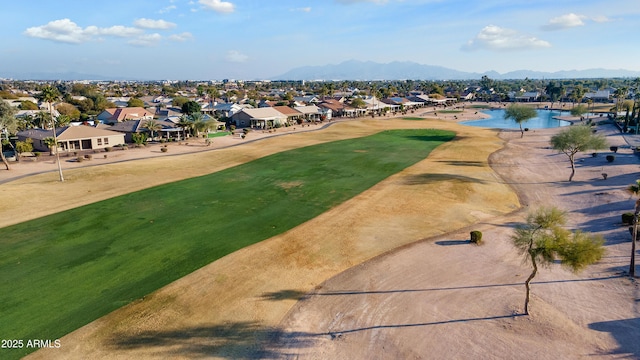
{"x": 368, "y": 70}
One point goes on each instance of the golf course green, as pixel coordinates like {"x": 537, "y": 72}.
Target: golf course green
{"x": 65, "y": 270}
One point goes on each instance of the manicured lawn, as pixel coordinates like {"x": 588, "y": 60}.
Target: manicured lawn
{"x": 413, "y": 118}
{"x": 63, "y": 271}
{"x": 217, "y": 134}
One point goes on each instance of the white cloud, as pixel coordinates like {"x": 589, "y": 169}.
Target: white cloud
{"x": 167, "y": 9}
{"x": 500, "y": 39}
{"x": 117, "y": 30}
{"x": 65, "y": 30}
{"x": 564, "y": 22}
{"x": 146, "y": 40}
{"x": 601, "y": 19}
{"x": 153, "y": 24}
{"x": 236, "y": 56}
{"x": 218, "y": 6}
{"x": 181, "y": 37}
{"x": 303, "y": 9}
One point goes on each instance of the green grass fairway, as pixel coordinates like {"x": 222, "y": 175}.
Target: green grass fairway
{"x": 65, "y": 270}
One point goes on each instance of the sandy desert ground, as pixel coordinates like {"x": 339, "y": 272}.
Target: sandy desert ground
{"x": 389, "y": 274}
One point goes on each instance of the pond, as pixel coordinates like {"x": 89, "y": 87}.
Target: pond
{"x": 545, "y": 119}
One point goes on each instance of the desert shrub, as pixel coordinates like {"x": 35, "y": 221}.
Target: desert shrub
{"x": 107, "y": 149}
{"x": 37, "y": 154}
{"x": 614, "y": 149}
{"x": 164, "y": 149}
{"x": 476, "y": 237}
{"x": 88, "y": 156}
{"x": 80, "y": 158}
{"x": 627, "y": 218}
{"x": 24, "y": 146}
{"x": 610, "y": 158}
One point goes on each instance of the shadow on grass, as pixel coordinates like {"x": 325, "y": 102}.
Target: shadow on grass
{"x": 626, "y": 333}
{"x": 240, "y": 340}
{"x": 426, "y": 179}
{"x": 464, "y": 163}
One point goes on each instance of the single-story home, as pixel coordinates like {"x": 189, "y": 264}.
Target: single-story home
{"x": 312, "y": 112}
{"x": 292, "y": 114}
{"x": 128, "y": 128}
{"x": 73, "y": 138}
{"x": 115, "y": 115}
{"x": 260, "y": 118}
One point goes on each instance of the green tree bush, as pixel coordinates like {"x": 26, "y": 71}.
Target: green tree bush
{"x": 574, "y": 139}
{"x": 542, "y": 239}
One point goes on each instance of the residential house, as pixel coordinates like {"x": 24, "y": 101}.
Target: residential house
{"x": 116, "y": 115}
{"x": 260, "y": 118}
{"x": 73, "y": 138}
{"x": 169, "y": 114}
{"x": 529, "y": 96}
{"x": 226, "y": 110}
{"x": 312, "y": 112}
{"x": 599, "y": 96}
{"x": 307, "y": 99}
{"x": 120, "y": 101}
{"x": 338, "y": 109}
{"x": 268, "y": 103}
{"x": 292, "y": 114}
{"x": 128, "y": 128}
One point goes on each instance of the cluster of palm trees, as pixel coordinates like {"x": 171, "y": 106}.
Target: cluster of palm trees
{"x": 192, "y": 124}
{"x": 195, "y": 122}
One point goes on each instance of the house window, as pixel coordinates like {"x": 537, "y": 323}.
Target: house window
{"x": 99, "y": 141}
{"x": 106, "y": 141}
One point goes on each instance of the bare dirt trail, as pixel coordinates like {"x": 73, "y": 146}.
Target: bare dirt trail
{"x": 444, "y": 298}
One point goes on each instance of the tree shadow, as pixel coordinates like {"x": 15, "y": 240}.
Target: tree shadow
{"x": 464, "y": 163}
{"x": 426, "y": 179}
{"x": 392, "y": 291}
{"x": 240, "y": 340}
{"x": 452, "y": 242}
{"x": 626, "y": 333}
{"x": 339, "y": 333}
{"x": 283, "y": 295}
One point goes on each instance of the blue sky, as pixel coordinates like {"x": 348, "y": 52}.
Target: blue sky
{"x": 258, "y": 39}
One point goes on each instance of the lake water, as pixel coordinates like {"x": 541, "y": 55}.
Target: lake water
{"x": 544, "y": 120}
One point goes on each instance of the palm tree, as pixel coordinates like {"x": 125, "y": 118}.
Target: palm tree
{"x": 620, "y": 94}
{"x": 577, "y": 94}
{"x": 49, "y": 95}
{"x": 635, "y": 190}
{"x": 199, "y": 123}
{"x": 8, "y": 125}
{"x": 152, "y": 126}
{"x": 51, "y": 144}
{"x": 185, "y": 124}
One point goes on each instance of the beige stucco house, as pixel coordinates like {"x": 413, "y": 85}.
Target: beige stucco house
{"x": 73, "y": 138}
